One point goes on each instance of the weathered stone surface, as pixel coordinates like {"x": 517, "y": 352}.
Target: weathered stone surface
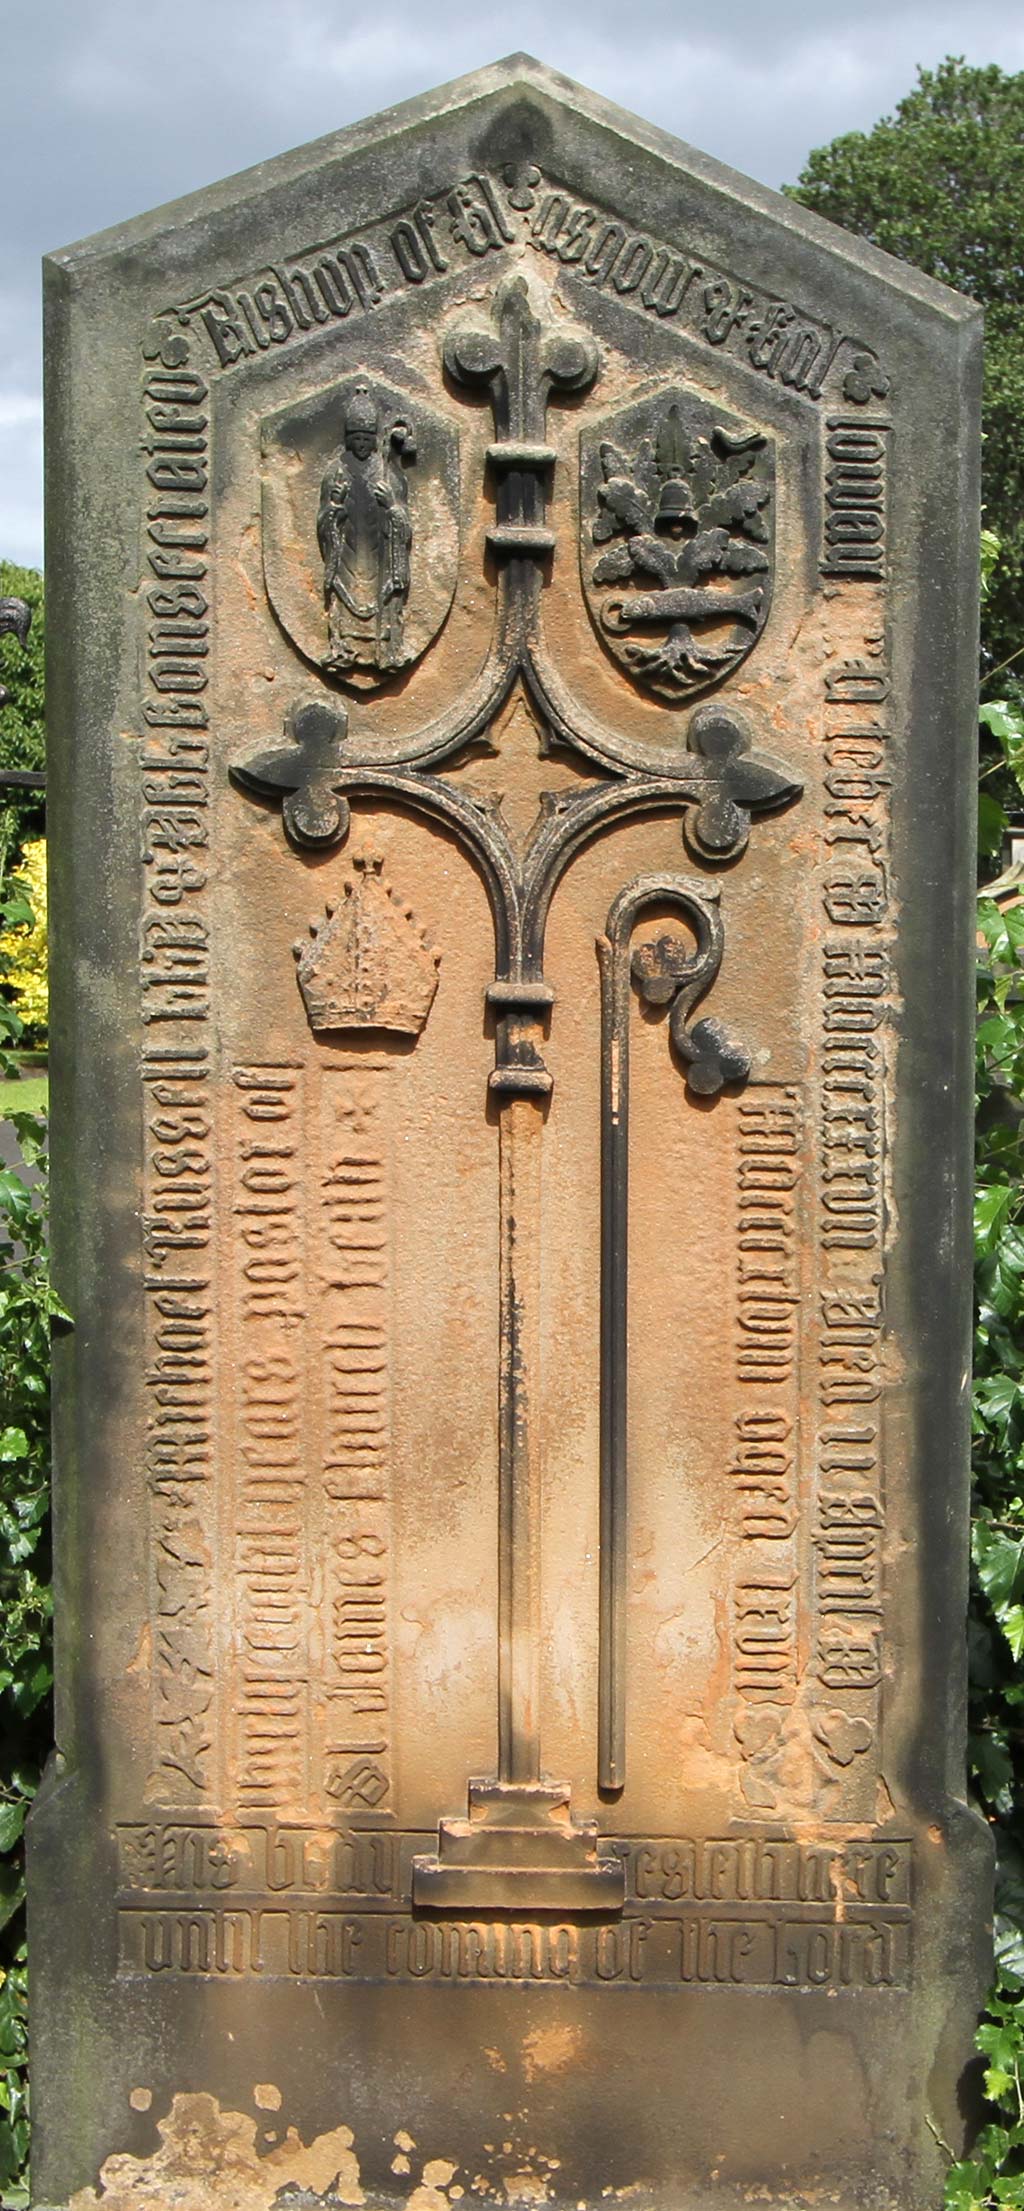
{"x": 511, "y": 1669}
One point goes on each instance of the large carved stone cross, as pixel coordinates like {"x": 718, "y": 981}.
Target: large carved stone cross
{"x": 520, "y": 1846}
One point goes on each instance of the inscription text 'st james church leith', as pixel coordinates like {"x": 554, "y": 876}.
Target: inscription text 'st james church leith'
{"x": 511, "y": 778}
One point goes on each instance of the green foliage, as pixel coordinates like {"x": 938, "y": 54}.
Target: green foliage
{"x": 25, "y": 947}
{"x": 941, "y": 183}
{"x": 27, "y": 1310}
{"x": 997, "y": 1623}
{"x": 994, "y": 2175}
{"x": 22, "y": 726}
{"x": 1002, "y": 772}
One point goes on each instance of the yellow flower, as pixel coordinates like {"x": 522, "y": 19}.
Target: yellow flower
{"x": 24, "y": 950}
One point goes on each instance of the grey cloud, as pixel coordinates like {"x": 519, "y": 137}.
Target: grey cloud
{"x": 109, "y": 108}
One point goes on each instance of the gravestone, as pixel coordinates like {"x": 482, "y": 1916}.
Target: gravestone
{"x": 513, "y": 593}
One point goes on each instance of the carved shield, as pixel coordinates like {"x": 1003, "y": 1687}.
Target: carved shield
{"x": 677, "y": 539}
{"x": 360, "y": 526}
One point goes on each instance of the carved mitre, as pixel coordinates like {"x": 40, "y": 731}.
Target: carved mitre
{"x": 361, "y": 411}
{"x": 369, "y": 965}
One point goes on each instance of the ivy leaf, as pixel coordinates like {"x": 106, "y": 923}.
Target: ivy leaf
{"x": 36, "y": 1685}
{"x": 1006, "y": 725}
{"x": 12, "y": 1897}
{"x": 1009, "y": 1930}
{"x": 962, "y": 2184}
{"x": 1001, "y": 2042}
{"x": 990, "y": 1761}
{"x": 992, "y": 926}
{"x": 991, "y": 1208}
{"x": 996, "y": 1395}
{"x": 1009, "y": 1948}
{"x": 999, "y": 1559}
{"x": 12, "y": 1821}
{"x": 1007, "y": 1272}
{"x": 992, "y": 825}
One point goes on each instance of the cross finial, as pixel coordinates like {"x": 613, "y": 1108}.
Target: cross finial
{"x": 305, "y": 773}
{"x": 525, "y": 357}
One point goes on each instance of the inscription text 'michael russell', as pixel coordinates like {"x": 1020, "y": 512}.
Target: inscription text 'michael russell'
{"x": 179, "y": 1152}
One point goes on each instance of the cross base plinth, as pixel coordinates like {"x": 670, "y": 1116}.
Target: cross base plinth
{"x": 519, "y": 1850}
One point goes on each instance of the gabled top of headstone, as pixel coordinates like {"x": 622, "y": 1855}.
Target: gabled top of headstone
{"x": 512, "y": 589}
{"x": 513, "y": 112}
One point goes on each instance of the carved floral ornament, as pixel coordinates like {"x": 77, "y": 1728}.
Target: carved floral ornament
{"x": 677, "y": 559}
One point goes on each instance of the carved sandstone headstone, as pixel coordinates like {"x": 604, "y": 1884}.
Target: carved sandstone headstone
{"x": 512, "y": 586}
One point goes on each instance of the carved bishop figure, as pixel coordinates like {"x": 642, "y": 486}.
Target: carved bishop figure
{"x": 365, "y": 535}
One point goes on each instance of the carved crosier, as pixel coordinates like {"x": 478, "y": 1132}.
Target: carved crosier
{"x": 667, "y": 972}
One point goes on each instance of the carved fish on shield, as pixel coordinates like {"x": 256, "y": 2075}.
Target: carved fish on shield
{"x": 360, "y": 526}
{"x": 677, "y": 521}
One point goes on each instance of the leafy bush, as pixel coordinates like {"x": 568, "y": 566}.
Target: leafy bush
{"x": 994, "y": 2175}
{"x": 22, "y": 724}
{"x": 24, "y": 948}
{"x": 27, "y": 1309}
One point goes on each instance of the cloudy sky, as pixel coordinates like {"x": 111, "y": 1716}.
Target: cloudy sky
{"x": 756, "y": 82}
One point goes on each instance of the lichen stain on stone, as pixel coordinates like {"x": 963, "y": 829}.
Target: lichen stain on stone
{"x": 436, "y": 2178}
{"x": 550, "y": 2049}
{"x": 143, "y": 1658}
{"x": 526, "y": 2187}
{"x": 529, "y": 2181}
{"x": 208, "y": 2161}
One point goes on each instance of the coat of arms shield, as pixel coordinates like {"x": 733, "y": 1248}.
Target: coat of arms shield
{"x": 360, "y": 527}
{"x": 677, "y": 539}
